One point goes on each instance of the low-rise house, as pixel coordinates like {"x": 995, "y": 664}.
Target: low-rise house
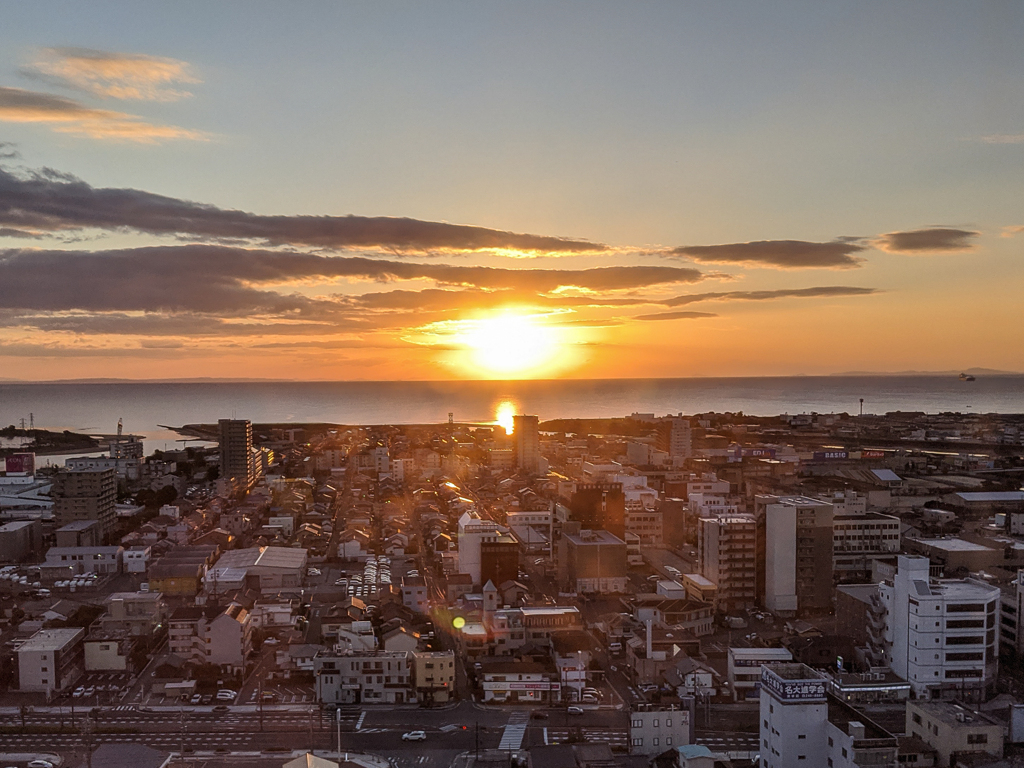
{"x": 414, "y": 594}
{"x": 136, "y": 613}
{"x": 372, "y": 677}
{"x": 111, "y": 652}
{"x": 654, "y": 729}
{"x": 98, "y": 560}
{"x": 400, "y": 638}
{"x": 434, "y": 676}
{"x": 357, "y": 636}
{"x": 511, "y": 682}
{"x": 212, "y": 635}
{"x": 297, "y": 659}
{"x": 136, "y": 558}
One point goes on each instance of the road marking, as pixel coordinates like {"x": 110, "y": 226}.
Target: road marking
{"x": 362, "y": 716}
{"x": 515, "y": 730}
{"x": 545, "y": 736}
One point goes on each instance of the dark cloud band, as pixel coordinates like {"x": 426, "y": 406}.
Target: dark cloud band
{"x": 781, "y": 254}
{"x": 930, "y": 240}
{"x": 52, "y": 202}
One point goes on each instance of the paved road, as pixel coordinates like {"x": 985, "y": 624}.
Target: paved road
{"x": 454, "y": 729}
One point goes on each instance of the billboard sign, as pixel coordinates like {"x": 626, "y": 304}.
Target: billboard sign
{"x": 792, "y": 690}
{"x": 831, "y": 455}
{"x": 20, "y": 464}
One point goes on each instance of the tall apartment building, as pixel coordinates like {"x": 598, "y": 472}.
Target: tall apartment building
{"x": 647, "y": 524}
{"x": 726, "y": 549}
{"x": 599, "y": 505}
{"x": 860, "y": 538}
{"x": 526, "y": 443}
{"x": 940, "y": 634}
{"x": 85, "y": 495}
{"x": 794, "y": 553}
{"x": 236, "y": 460}
{"x": 802, "y": 725}
{"x": 674, "y": 438}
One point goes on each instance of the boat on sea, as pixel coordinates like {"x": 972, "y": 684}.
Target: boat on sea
{"x": 966, "y": 377}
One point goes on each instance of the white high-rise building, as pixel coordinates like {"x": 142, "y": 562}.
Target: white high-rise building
{"x": 473, "y": 531}
{"x": 940, "y": 635}
{"x": 674, "y": 438}
{"x": 801, "y": 725}
{"x": 794, "y": 553}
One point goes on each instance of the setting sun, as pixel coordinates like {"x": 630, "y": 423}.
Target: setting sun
{"x": 510, "y": 344}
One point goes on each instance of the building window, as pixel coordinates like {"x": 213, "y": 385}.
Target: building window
{"x": 977, "y": 738}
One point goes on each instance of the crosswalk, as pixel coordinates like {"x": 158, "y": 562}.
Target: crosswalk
{"x": 591, "y": 735}
{"x": 515, "y": 730}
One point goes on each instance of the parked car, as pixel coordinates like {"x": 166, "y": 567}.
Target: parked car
{"x": 40, "y": 764}
{"x": 226, "y": 695}
{"x": 414, "y": 736}
{"x": 196, "y": 699}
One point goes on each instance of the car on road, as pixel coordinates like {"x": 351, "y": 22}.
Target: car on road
{"x": 414, "y": 736}
{"x": 574, "y": 710}
{"x": 539, "y": 715}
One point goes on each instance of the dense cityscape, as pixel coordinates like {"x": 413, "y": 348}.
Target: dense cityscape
{"x": 673, "y": 590}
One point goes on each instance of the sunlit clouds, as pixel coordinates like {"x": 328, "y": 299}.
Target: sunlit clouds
{"x": 68, "y": 116}
{"x": 108, "y": 74}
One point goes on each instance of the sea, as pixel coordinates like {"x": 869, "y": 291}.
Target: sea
{"x": 143, "y": 406}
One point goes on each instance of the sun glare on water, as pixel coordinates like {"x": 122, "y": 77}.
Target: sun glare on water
{"x": 505, "y": 415}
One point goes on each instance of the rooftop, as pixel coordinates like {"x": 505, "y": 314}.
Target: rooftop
{"x": 954, "y": 545}
{"x": 51, "y": 639}
{"x": 950, "y": 713}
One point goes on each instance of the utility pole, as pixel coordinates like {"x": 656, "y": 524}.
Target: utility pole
{"x": 337, "y": 712}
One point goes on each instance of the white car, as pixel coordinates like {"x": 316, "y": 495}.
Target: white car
{"x": 226, "y": 695}
{"x": 414, "y": 736}
{"x": 313, "y": 572}
{"x": 40, "y": 764}
{"x": 574, "y": 710}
